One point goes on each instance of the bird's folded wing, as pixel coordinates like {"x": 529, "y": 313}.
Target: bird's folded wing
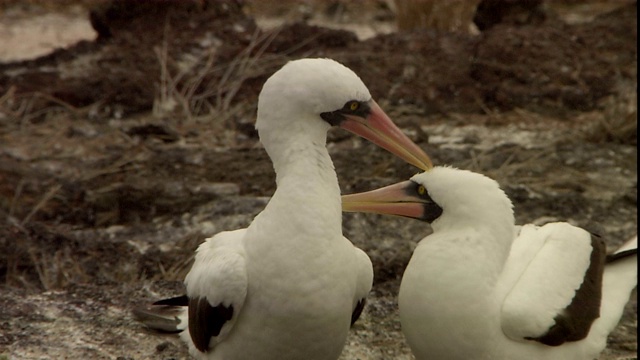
{"x": 554, "y": 291}
{"x": 520, "y": 256}
{"x": 216, "y": 288}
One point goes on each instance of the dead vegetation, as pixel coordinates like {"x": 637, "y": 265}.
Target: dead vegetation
{"x": 455, "y": 15}
{"x": 617, "y": 122}
{"x": 208, "y": 86}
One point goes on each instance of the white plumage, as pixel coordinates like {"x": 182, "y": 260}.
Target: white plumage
{"x": 290, "y": 285}
{"x": 480, "y": 287}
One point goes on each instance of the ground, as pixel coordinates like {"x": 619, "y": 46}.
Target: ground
{"x": 121, "y": 153}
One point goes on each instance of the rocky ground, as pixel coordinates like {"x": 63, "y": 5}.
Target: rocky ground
{"x": 121, "y": 153}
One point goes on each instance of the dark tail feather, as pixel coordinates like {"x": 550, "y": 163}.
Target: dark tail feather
{"x": 358, "y": 310}
{"x": 164, "y": 315}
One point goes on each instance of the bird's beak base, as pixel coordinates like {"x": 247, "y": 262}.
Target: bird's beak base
{"x": 394, "y": 199}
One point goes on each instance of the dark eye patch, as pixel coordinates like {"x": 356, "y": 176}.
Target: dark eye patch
{"x": 353, "y": 107}
{"x": 358, "y": 108}
{"x": 431, "y": 211}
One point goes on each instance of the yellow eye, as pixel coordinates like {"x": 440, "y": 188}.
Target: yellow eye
{"x": 422, "y": 190}
{"x": 354, "y": 106}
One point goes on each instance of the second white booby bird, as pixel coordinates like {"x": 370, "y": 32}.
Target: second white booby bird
{"x": 290, "y": 285}
{"x": 480, "y": 287}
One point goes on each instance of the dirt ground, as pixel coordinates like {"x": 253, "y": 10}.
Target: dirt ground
{"x": 121, "y": 152}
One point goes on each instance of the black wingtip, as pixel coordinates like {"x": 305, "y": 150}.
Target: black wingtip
{"x": 611, "y": 258}
{"x": 206, "y": 321}
{"x": 355, "y": 315}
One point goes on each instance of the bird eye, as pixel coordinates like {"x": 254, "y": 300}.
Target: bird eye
{"x": 354, "y": 105}
{"x": 422, "y": 190}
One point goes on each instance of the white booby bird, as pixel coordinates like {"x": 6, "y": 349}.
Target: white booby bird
{"x": 290, "y": 285}
{"x": 480, "y": 287}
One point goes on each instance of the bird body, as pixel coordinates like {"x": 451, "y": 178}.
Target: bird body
{"x": 480, "y": 287}
{"x": 290, "y": 285}
{"x": 295, "y": 281}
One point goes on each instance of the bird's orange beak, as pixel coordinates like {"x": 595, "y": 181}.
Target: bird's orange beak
{"x": 401, "y": 199}
{"x": 378, "y": 128}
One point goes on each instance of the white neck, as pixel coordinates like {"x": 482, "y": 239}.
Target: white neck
{"x": 307, "y": 185}
{"x": 305, "y": 171}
